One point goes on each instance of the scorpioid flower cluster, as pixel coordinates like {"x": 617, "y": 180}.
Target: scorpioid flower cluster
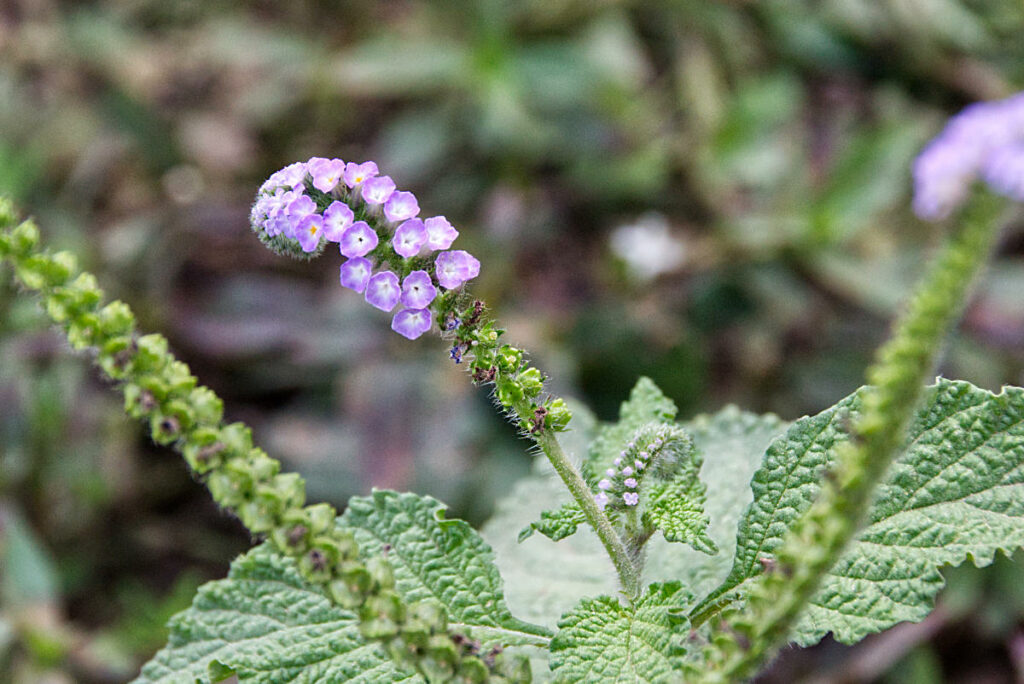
{"x": 986, "y": 140}
{"x": 388, "y": 249}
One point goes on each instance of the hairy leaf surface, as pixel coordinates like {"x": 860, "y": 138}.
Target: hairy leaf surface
{"x": 603, "y": 640}
{"x": 955, "y": 492}
{"x": 438, "y": 558}
{"x": 732, "y": 443}
{"x": 556, "y": 524}
{"x": 268, "y": 626}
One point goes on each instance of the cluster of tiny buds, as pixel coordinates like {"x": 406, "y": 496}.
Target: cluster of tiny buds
{"x": 388, "y": 249}
{"x": 984, "y": 140}
{"x": 621, "y": 481}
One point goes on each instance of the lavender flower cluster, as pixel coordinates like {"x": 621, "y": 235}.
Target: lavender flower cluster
{"x": 984, "y": 140}
{"x": 388, "y": 250}
{"x": 621, "y": 482}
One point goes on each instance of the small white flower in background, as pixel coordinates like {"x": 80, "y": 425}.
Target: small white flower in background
{"x": 648, "y": 247}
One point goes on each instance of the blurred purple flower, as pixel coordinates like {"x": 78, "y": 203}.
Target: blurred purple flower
{"x": 358, "y": 240}
{"x": 409, "y": 238}
{"x": 417, "y": 290}
{"x": 377, "y": 190}
{"x": 440, "y": 234}
{"x": 455, "y": 268}
{"x": 359, "y": 173}
{"x": 383, "y": 291}
{"x": 337, "y": 218}
{"x": 355, "y": 273}
{"x": 401, "y": 206}
{"x": 978, "y": 141}
{"x": 411, "y": 323}
{"x": 326, "y": 173}
{"x": 309, "y": 232}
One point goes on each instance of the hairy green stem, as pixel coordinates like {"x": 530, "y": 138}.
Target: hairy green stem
{"x": 817, "y": 539}
{"x": 629, "y": 575}
{"x": 242, "y": 478}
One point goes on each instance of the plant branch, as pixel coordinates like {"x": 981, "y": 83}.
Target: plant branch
{"x": 817, "y": 539}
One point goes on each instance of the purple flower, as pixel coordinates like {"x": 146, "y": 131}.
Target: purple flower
{"x": 411, "y": 323}
{"x": 627, "y": 471}
{"x": 377, "y": 190}
{"x": 440, "y": 234}
{"x": 630, "y": 482}
{"x": 977, "y": 141}
{"x": 382, "y": 290}
{"x": 291, "y": 176}
{"x": 309, "y": 231}
{"x": 359, "y": 173}
{"x": 300, "y": 208}
{"x": 325, "y": 172}
{"x": 401, "y": 206}
{"x": 409, "y": 238}
{"x": 611, "y": 472}
{"x": 604, "y": 484}
{"x": 358, "y": 240}
{"x": 337, "y": 218}
{"x": 1004, "y": 171}
{"x": 456, "y": 267}
{"x": 355, "y": 273}
{"x": 601, "y": 499}
{"x": 417, "y": 290}
{"x": 630, "y": 498}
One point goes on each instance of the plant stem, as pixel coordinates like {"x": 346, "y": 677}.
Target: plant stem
{"x": 629, "y": 576}
{"x": 816, "y": 540}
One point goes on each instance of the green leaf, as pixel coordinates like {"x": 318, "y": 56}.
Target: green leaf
{"x": 677, "y": 509}
{"x": 603, "y": 640}
{"x": 955, "y": 492}
{"x": 265, "y": 624}
{"x": 733, "y": 443}
{"x": 436, "y": 558}
{"x": 646, "y": 404}
{"x": 558, "y": 524}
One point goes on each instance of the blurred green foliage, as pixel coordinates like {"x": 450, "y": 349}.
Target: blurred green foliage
{"x": 761, "y": 149}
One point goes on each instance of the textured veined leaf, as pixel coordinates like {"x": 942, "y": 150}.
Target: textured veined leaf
{"x": 265, "y": 624}
{"x": 437, "y": 558}
{"x": 603, "y": 640}
{"x": 955, "y": 492}
{"x": 557, "y": 524}
{"x": 732, "y": 443}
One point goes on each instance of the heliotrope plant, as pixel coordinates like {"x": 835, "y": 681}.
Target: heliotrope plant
{"x": 851, "y": 516}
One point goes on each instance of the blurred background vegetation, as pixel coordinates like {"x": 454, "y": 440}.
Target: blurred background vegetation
{"x": 714, "y": 194}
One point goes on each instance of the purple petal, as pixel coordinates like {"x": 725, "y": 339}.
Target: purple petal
{"x": 440, "y": 234}
{"x": 411, "y": 323}
{"x": 401, "y": 206}
{"x": 359, "y": 173}
{"x": 337, "y": 218}
{"x": 455, "y": 268}
{"x": 409, "y": 238}
{"x": 355, "y": 273}
{"x": 326, "y": 173}
{"x": 382, "y": 290}
{"x": 378, "y": 190}
{"x": 309, "y": 232}
{"x": 358, "y": 240}
{"x": 417, "y": 290}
